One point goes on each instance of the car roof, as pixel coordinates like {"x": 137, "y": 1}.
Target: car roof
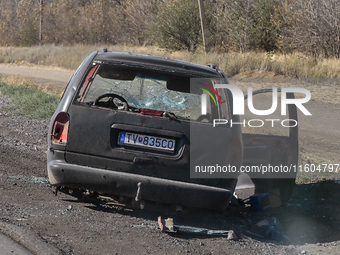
{"x": 156, "y": 63}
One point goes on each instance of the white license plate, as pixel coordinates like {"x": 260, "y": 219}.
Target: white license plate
{"x": 147, "y": 141}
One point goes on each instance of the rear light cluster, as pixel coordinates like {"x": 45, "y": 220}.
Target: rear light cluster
{"x": 60, "y": 128}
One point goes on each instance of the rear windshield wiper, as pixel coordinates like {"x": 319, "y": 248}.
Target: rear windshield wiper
{"x": 170, "y": 115}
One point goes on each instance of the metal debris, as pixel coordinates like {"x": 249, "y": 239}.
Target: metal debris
{"x": 168, "y": 226}
{"x": 232, "y": 236}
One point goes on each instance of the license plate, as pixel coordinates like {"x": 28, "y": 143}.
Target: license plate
{"x": 147, "y": 141}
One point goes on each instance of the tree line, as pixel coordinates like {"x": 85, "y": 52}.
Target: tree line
{"x": 308, "y": 26}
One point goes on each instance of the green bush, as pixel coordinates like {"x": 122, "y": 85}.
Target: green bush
{"x": 177, "y": 27}
{"x": 27, "y": 35}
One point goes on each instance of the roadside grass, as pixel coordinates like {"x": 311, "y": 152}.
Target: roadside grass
{"x": 30, "y": 102}
{"x": 295, "y": 65}
{"x": 17, "y": 80}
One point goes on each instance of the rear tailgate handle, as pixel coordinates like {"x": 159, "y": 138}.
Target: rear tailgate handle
{"x": 139, "y": 160}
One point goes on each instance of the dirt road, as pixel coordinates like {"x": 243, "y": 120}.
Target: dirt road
{"x": 55, "y": 75}
{"x": 310, "y": 224}
{"x": 53, "y": 79}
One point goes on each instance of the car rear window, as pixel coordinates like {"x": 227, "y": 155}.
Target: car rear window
{"x": 145, "y": 89}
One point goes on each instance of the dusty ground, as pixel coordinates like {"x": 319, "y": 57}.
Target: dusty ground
{"x": 310, "y": 224}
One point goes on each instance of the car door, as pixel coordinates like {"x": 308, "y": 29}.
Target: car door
{"x": 275, "y": 156}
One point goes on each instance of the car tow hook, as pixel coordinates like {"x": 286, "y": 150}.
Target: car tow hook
{"x": 139, "y": 192}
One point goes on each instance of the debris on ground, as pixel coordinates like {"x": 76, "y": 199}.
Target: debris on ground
{"x": 168, "y": 226}
{"x": 269, "y": 228}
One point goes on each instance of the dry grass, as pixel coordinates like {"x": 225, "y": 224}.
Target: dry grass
{"x": 295, "y": 65}
{"x": 20, "y": 81}
{"x": 300, "y": 66}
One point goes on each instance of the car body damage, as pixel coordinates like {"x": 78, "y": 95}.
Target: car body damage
{"x": 124, "y": 129}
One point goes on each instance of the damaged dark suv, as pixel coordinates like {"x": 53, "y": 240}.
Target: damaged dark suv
{"x": 123, "y": 129}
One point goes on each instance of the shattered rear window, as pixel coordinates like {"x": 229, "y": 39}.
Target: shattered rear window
{"x": 143, "y": 89}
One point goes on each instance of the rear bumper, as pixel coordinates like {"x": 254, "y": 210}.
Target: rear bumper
{"x": 125, "y": 184}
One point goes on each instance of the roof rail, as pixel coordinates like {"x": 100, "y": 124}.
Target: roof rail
{"x": 212, "y": 66}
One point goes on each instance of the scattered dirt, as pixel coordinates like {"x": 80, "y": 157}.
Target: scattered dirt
{"x": 310, "y": 223}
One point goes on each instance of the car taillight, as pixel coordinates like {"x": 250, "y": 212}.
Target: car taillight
{"x": 60, "y": 129}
